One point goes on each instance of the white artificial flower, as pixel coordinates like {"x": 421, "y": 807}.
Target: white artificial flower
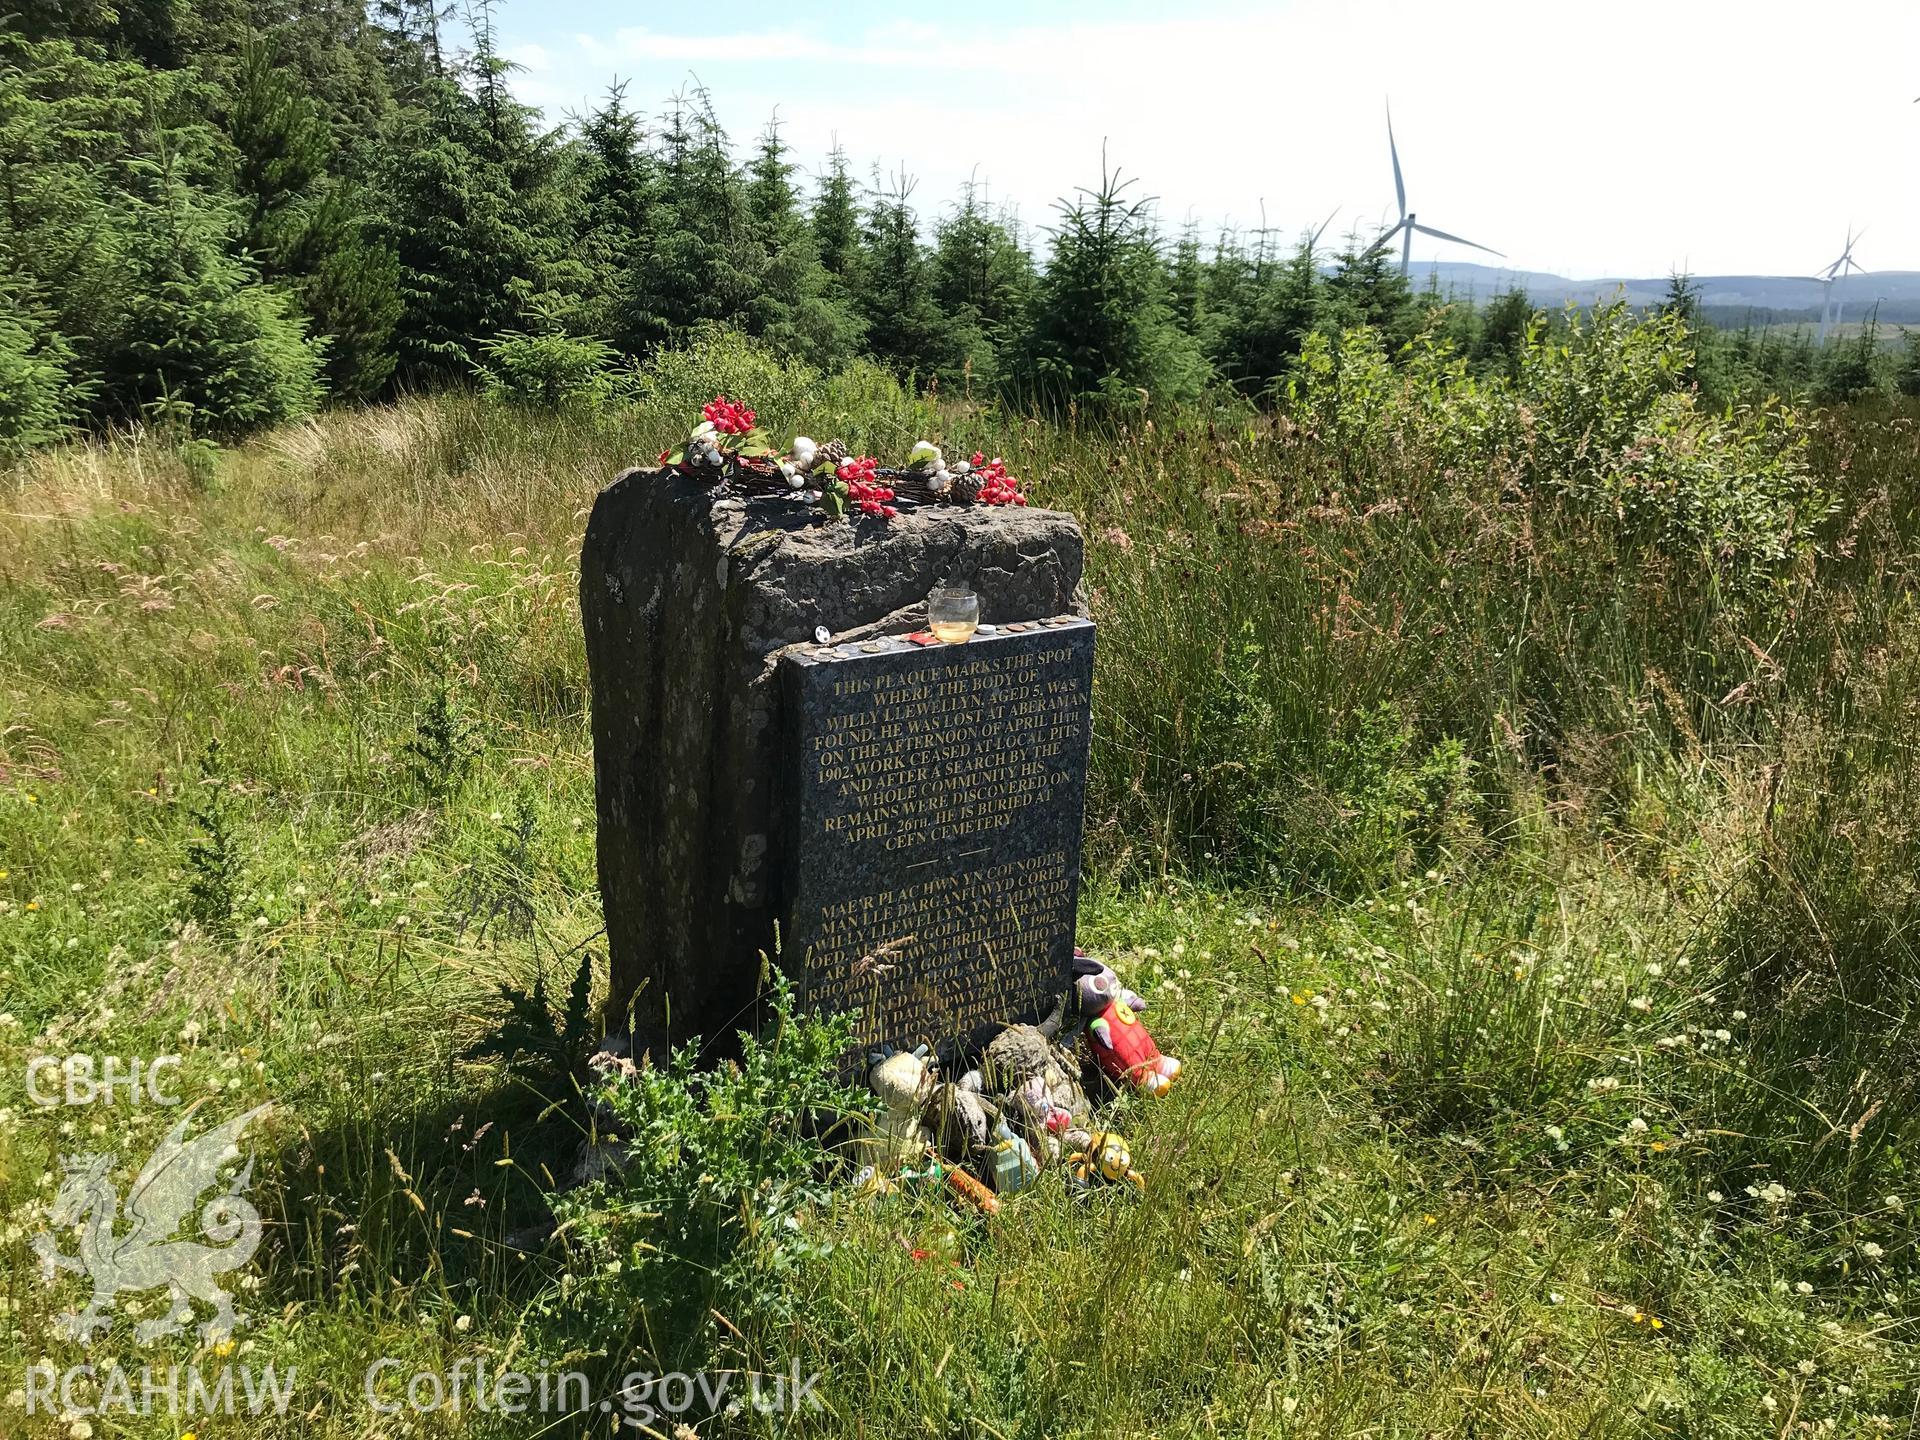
{"x": 926, "y": 453}
{"x": 702, "y": 430}
{"x": 804, "y": 452}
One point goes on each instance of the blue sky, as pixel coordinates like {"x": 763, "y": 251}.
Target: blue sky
{"x": 1629, "y": 137}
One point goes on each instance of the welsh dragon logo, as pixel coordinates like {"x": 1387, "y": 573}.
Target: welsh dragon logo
{"x": 172, "y": 1181}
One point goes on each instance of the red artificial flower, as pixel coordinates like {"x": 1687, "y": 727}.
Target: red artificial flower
{"x": 996, "y": 487}
{"x": 727, "y": 417}
{"x": 860, "y": 475}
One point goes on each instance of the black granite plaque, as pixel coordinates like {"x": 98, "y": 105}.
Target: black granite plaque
{"x": 935, "y": 799}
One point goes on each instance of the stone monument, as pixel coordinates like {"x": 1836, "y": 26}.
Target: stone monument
{"x": 891, "y": 822}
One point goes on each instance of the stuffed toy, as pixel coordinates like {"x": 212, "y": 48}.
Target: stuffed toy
{"x": 1037, "y": 1083}
{"x": 959, "y": 1122}
{"x": 1121, "y": 1046}
{"x": 904, "y": 1081}
{"x": 1107, "y": 1157}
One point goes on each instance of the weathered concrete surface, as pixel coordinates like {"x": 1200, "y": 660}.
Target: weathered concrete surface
{"x": 686, "y": 603}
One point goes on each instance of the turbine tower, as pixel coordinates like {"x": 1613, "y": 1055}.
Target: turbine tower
{"x": 1408, "y": 223}
{"x": 1830, "y": 278}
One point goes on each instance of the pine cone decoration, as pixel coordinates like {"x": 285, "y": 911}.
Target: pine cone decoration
{"x": 831, "y": 454}
{"x": 967, "y": 488}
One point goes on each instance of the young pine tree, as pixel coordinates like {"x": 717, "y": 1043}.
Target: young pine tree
{"x": 793, "y": 303}
{"x": 1367, "y": 288}
{"x": 618, "y": 190}
{"x": 305, "y": 229}
{"x": 905, "y": 329}
{"x": 836, "y": 222}
{"x": 983, "y": 282}
{"x": 1103, "y": 331}
{"x": 693, "y": 261}
{"x": 475, "y": 206}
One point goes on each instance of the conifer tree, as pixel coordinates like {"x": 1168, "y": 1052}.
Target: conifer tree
{"x": 1103, "y": 332}
{"x": 1367, "y": 288}
{"x": 305, "y": 229}
{"x": 982, "y": 283}
{"x": 192, "y": 337}
{"x": 687, "y": 267}
{"x": 836, "y": 221}
{"x": 618, "y": 190}
{"x": 476, "y": 206}
{"x": 1186, "y": 292}
{"x": 905, "y": 329}
{"x": 792, "y": 303}
{"x": 1264, "y": 313}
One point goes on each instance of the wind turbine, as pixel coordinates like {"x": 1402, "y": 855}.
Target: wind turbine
{"x": 1830, "y": 302}
{"x": 1408, "y": 223}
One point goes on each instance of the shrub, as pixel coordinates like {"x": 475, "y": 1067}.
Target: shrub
{"x": 548, "y": 372}
{"x": 1600, "y": 414}
{"x": 714, "y": 360}
{"x": 36, "y": 401}
{"x": 719, "y": 1167}
{"x": 1610, "y": 424}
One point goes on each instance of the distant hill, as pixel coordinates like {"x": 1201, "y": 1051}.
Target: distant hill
{"x": 1727, "y": 299}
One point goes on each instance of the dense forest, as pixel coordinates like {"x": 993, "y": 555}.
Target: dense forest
{"x": 223, "y": 213}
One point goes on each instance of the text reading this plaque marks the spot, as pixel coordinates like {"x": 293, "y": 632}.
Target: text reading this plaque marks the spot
{"x": 937, "y": 799}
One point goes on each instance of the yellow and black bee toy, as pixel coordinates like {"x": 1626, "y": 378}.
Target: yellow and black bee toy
{"x": 1107, "y": 1157}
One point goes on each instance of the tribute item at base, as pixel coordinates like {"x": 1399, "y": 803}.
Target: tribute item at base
{"x": 933, "y": 824}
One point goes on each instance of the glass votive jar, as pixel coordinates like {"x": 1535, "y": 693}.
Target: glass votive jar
{"x": 953, "y": 614}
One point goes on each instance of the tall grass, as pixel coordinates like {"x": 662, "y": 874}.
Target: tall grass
{"x": 1449, "y": 810}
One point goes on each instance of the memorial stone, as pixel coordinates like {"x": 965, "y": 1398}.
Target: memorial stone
{"x": 689, "y": 601}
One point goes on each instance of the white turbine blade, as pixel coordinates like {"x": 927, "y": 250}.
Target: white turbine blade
{"x": 1399, "y": 185}
{"x": 1384, "y": 239}
{"x": 1470, "y": 244}
{"x": 1323, "y": 227}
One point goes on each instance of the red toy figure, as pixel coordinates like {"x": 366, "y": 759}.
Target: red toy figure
{"x": 1122, "y": 1048}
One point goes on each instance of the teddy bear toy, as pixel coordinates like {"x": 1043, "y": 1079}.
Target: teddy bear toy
{"x": 904, "y": 1081}
{"x": 1121, "y": 1046}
